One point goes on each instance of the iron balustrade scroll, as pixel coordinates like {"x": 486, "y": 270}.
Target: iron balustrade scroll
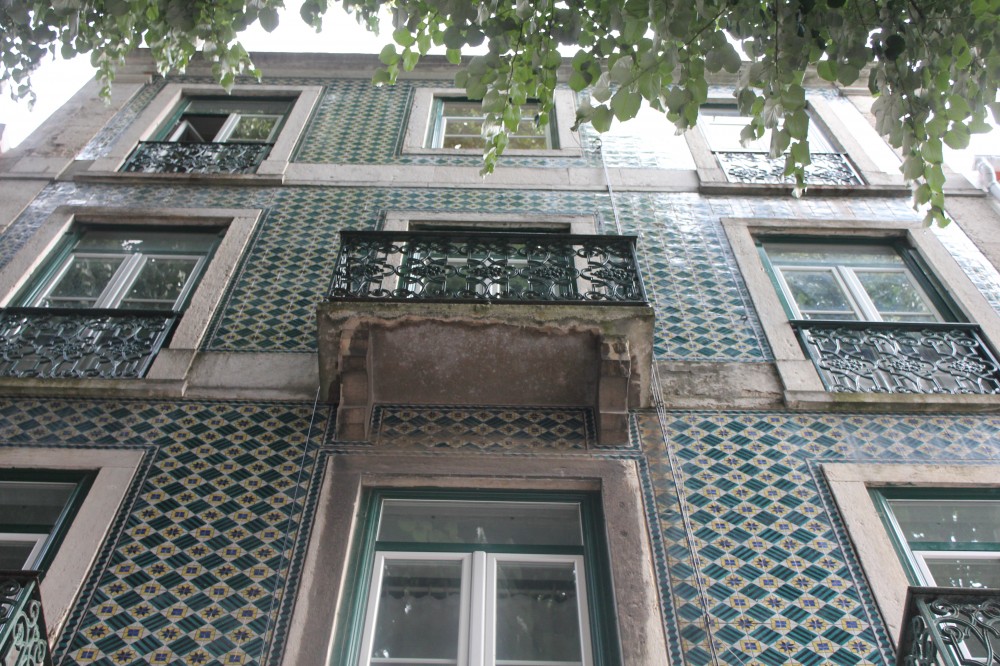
{"x": 176, "y": 157}
{"x": 950, "y": 626}
{"x": 58, "y": 343}
{"x": 23, "y": 637}
{"x": 499, "y": 267}
{"x": 883, "y": 357}
{"x": 760, "y": 168}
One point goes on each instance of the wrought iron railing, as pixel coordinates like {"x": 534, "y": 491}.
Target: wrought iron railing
{"x": 461, "y": 266}
{"x": 23, "y": 640}
{"x": 67, "y": 343}
{"x": 754, "y": 167}
{"x": 882, "y": 357}
{"x": 947, "y": 626}
{"x": 175, "y": 157}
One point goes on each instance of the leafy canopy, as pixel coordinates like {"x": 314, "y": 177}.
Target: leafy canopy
{"x": 934, "y": 65}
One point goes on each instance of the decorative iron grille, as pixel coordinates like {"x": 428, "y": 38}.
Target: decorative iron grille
{"x": 753, "y": 167}
{"x": 946, "y": 626}
{"x": 23, "y": 639}
{"x": 174, "y": 157}
{"x": 868, "y": 357}
{"x": 65, "y": 343}
{"x": 500, "y": 267}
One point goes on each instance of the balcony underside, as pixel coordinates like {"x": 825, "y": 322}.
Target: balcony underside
{"x": 542, "y": 355}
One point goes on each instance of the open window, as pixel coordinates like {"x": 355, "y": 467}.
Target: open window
{"x": 227, "y": 120}
{"x": 36, "y": 508}
{"x": 457, "y": 578}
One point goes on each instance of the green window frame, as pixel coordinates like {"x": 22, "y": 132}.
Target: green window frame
{"x": 432, "y": 547}
{"x": 944, "y": 537}
{"x": 834, "y": 279}
{"x": 457, "y": 123}
{"x": 226, "y": 120}
{"x": 36, "y": 509}
{"x": 123, "y": 268}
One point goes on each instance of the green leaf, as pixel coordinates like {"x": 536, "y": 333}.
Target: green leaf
{"x": 957, "y": 137}
{"x": 827, "y": 70}
{"x": 932, "y": 151}
{"x": 601, "y": 118}
{"x": 410, "y": 59}
{"x": 454, "y": 56}
{"x": 268, "y": 17}
{"x": 625, "y": 104}
{"x": 388, "y": 55}
{"x": 403, "y": 37}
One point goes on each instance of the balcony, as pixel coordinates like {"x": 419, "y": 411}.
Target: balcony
{"x": 485, "y": 319}
{"x": 23, "y": 639}
{"x": 869, "y": 357}
{"x": 177, "y": 157}
{"x": 760, "y": 168}
{"x": 945, "y": 626}
{"x": 56, "y": 343}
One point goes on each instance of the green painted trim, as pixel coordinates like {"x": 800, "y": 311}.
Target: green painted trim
{"x": 64, "y": 248}
{"x": 57, "y": 531}
{"x": 895, "y": 533}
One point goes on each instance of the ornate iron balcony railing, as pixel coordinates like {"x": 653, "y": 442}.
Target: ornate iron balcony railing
{"x": 23, "y": 639}
{"x": 175, "y": 157}
{"x": 498, "y": 267}
{"x": 753, "y": 167}
{"x": 948, "y": 626}
{"x": 882, "y": 357}
{"x": 56, "y": 343}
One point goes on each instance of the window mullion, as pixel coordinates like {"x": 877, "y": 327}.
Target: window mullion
{"x": 856, "y": 292}
{"x": 483, "y": 609}
{"x": 121, "y": 281}
{"x": 227, "y": 128}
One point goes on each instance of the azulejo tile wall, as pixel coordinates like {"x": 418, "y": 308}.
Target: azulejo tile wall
{"x": 202, "y": 562}
{"x": 703, "y": 312}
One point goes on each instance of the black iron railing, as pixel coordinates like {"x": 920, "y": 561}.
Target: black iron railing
{"x": 23, "y": 640}
{"x": 460, "y": 266}
{"x": 57, "y": 343}
{"x": 754, "y": 167}
{"x": 870, "y": 357}
{"x": 175, "y": 157}
{"x": 947, "y": 626}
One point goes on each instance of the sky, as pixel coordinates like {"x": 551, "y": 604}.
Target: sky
{"x": 57, "y": 80}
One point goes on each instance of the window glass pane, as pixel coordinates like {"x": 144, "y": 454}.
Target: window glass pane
{"x": 947, "y": 521}
{"x": 818, "y": 294}
{"x": 537, "y": 613}
{"x": 463, "y": 142}
{"x": 893, "y": 291}
{"x": 227, "y": 105}
{"x": 160, "y": 283}
{"x": 32, "y": 503}
{"x": 130, "y": 241}
{"x": 833, "y": 255}
{"x": 723, "y": 124}
{"x": 465, "y": 109}
{"x": 254, "y": 128}
{"x": 82, "y": 282}
{"x": 454, "y": 521}
{"x": 418, "y": 611}
{"x": 965, "y": 571}
{"x": 14, "y": 554}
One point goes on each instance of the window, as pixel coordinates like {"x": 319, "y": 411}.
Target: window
{"x": 722, "y": 124}
{"x": 123, "y": 269}
{"x": 455, "y": 578}
{"x": 852, "y": 282}
{"x": 225, "y": 120}
{"x": 458, "y": 124}
{"x": 36, "y": 508}
{"x": 946, "y": 537}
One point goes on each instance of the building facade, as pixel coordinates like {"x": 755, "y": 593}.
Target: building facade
{"x": 285, "y": 381}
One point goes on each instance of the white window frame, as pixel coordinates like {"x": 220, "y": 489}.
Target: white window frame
{"x": 850, "y": 484}
{"x": 28, "y": 537}
{"x": 422, "y": 122}
{"x": 173, "y": 361}
{"x": 802, "y": 386}
{"x": 438, "y": 130}
{"x": 851, "y": 286}
{"x": 115, "y": 470}
{"x": 303, "y": 100}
